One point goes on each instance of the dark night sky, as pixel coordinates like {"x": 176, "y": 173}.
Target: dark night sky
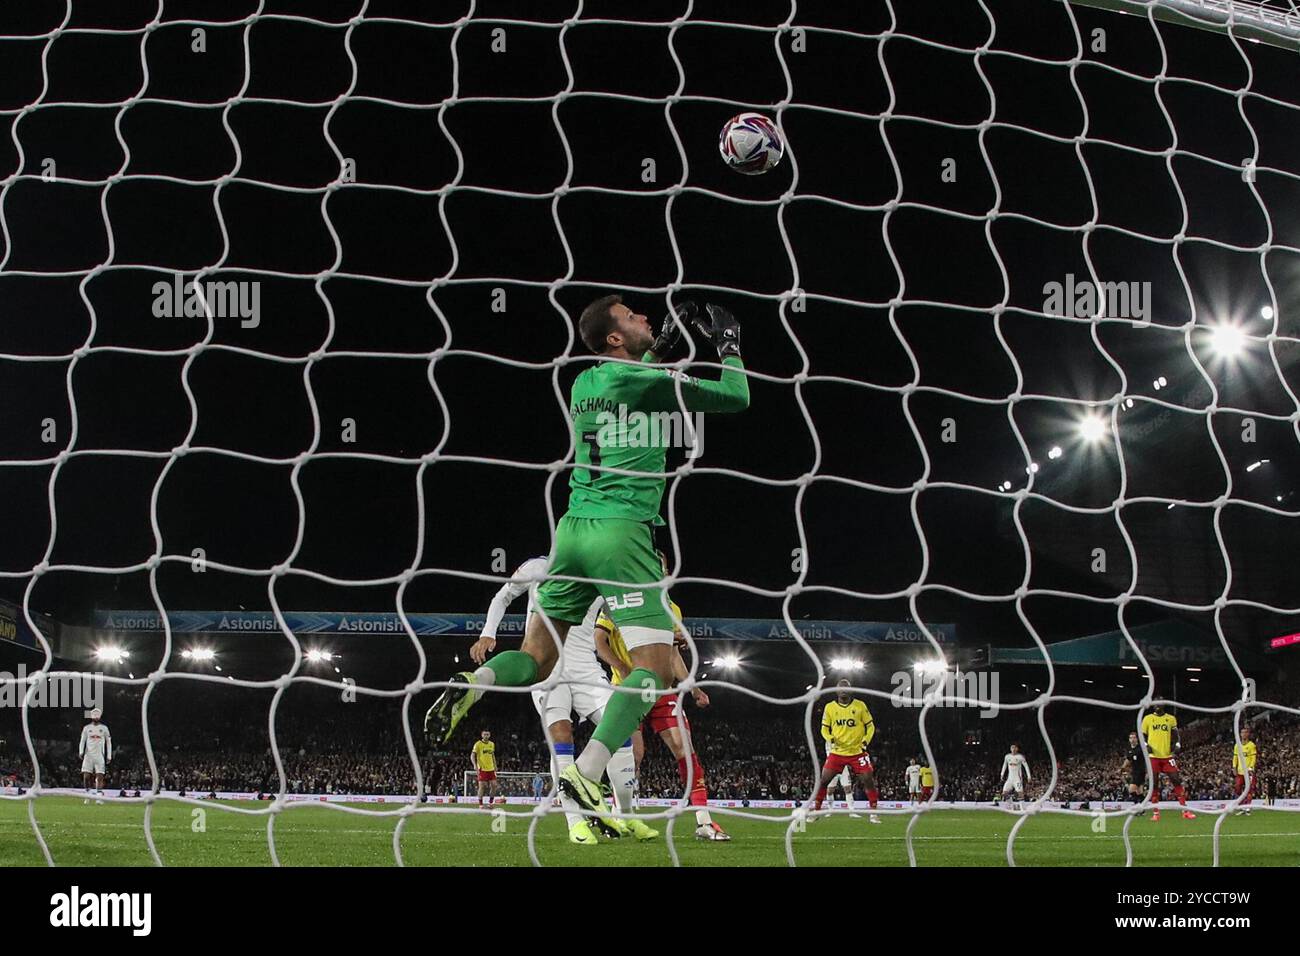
{"x": 248, "y": 385}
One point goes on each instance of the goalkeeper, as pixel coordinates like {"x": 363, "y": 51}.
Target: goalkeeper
{"x": 607, "y": 531}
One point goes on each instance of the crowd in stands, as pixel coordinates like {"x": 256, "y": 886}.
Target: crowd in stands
{"x": 746, "y": 758}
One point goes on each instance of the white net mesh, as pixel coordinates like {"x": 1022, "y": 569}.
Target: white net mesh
{"x": 1266, "y": 170}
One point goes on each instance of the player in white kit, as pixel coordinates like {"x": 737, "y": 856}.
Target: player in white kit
{"x": 845, "y": 783}
{"x": 913, "y": 774}
{"x": 95, "y": 751}
{"x": 1015, "y": 768}
{"x": 583, "y": 690}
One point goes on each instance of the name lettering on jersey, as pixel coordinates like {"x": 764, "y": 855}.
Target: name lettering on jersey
{"x": 629, "y": 600}
{"x": 77, "y": 909}
{"x": 622, "y": 427}
{"x": 975, "y": 689}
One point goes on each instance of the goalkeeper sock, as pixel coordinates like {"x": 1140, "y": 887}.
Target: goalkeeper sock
{"x": 699, "y": 795}
{"x": 563, "y": 758}
{"x": 621, "y": 770}
{"x": 508, "y": 669}
{"x": 623, "y": 714}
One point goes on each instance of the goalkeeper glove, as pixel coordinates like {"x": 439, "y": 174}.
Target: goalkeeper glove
{"x": 721, "y": 328}
{"x": 670, "y": 333}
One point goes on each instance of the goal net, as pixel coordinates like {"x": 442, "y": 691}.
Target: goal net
{"x": 289, "y": 301}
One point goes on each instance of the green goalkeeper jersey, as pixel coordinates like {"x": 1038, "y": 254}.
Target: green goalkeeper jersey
{"x": 625, "y": 416}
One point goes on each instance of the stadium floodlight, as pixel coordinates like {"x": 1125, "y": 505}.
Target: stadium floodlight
{"x": 846, "y": 664}
{"x": 1228, "y": 340}
{"x": 1092, "y": 428}
{"x": 1267, "y": 313}
{"x": 1128, "y": 403}
{"x": 318, "y": 655}
{"x": 930, "y": 666}
{"x": 199, "y": 654}
{"x": 726, "y": 661}
{"x": 1128, "y": 667}
{"x": 1032, "y": 469}
{"x": 111, "y": 653}
{"x": 1194, "y": 670}
{"x": 1054, "y": 452}
{"x": 1253, "y": 465}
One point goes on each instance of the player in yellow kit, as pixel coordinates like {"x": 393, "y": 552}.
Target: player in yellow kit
{"x": 1161, "y": 733}
{"x": 664, "y": 715}
{"x": 484, "y": 759}
{"x": 927, "y": 782}
{"x": 848, "y": 726}
{"x": 1243, "y": 765}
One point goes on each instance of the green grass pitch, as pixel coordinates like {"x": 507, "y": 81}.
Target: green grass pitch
{"x": 312, "y": 835}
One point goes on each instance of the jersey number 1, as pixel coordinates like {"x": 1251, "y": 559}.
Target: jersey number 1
{"x": 593, "y": 447}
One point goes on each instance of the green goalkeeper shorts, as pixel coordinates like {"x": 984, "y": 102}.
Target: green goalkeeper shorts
{"x": 617, "y": 549}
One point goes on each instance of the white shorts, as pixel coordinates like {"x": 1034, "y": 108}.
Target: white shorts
{"x": 1012, "y": 785}
{"x": 92, "y": 764}
{"x": 634, "y": 637}
{"x": 562, "y": 701}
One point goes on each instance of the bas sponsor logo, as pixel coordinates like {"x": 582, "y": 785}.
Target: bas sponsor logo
{"x": 77, "y": 909}
{"x": 629, "y": 600}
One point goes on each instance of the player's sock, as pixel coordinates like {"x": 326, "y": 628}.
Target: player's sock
{"x": 563, "y": 758}
{"x": 508, "y": 669}
{"x": 699, "y": 796}
{"x": 1181, "y": 794}
{"x": 622, "y": 773}
{"x": 817, "y": 801}
{"x": 872, "y": 797}
{"x": 623, "y": 714}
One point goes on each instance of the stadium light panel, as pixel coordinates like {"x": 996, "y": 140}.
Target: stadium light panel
{"x": 318, "y": 655}
{"x": 1266, "y": 313}
{"x": 726, "y": 661}
{"x": 1228, "y": 340}
{"x": 1092, "y": 428}
{"x": 110, "y": 653}
{"x": 1054, "y": 452}
{"x": 1253, "y": 465}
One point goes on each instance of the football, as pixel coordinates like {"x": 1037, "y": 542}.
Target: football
{"x": 750, "y": 143}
